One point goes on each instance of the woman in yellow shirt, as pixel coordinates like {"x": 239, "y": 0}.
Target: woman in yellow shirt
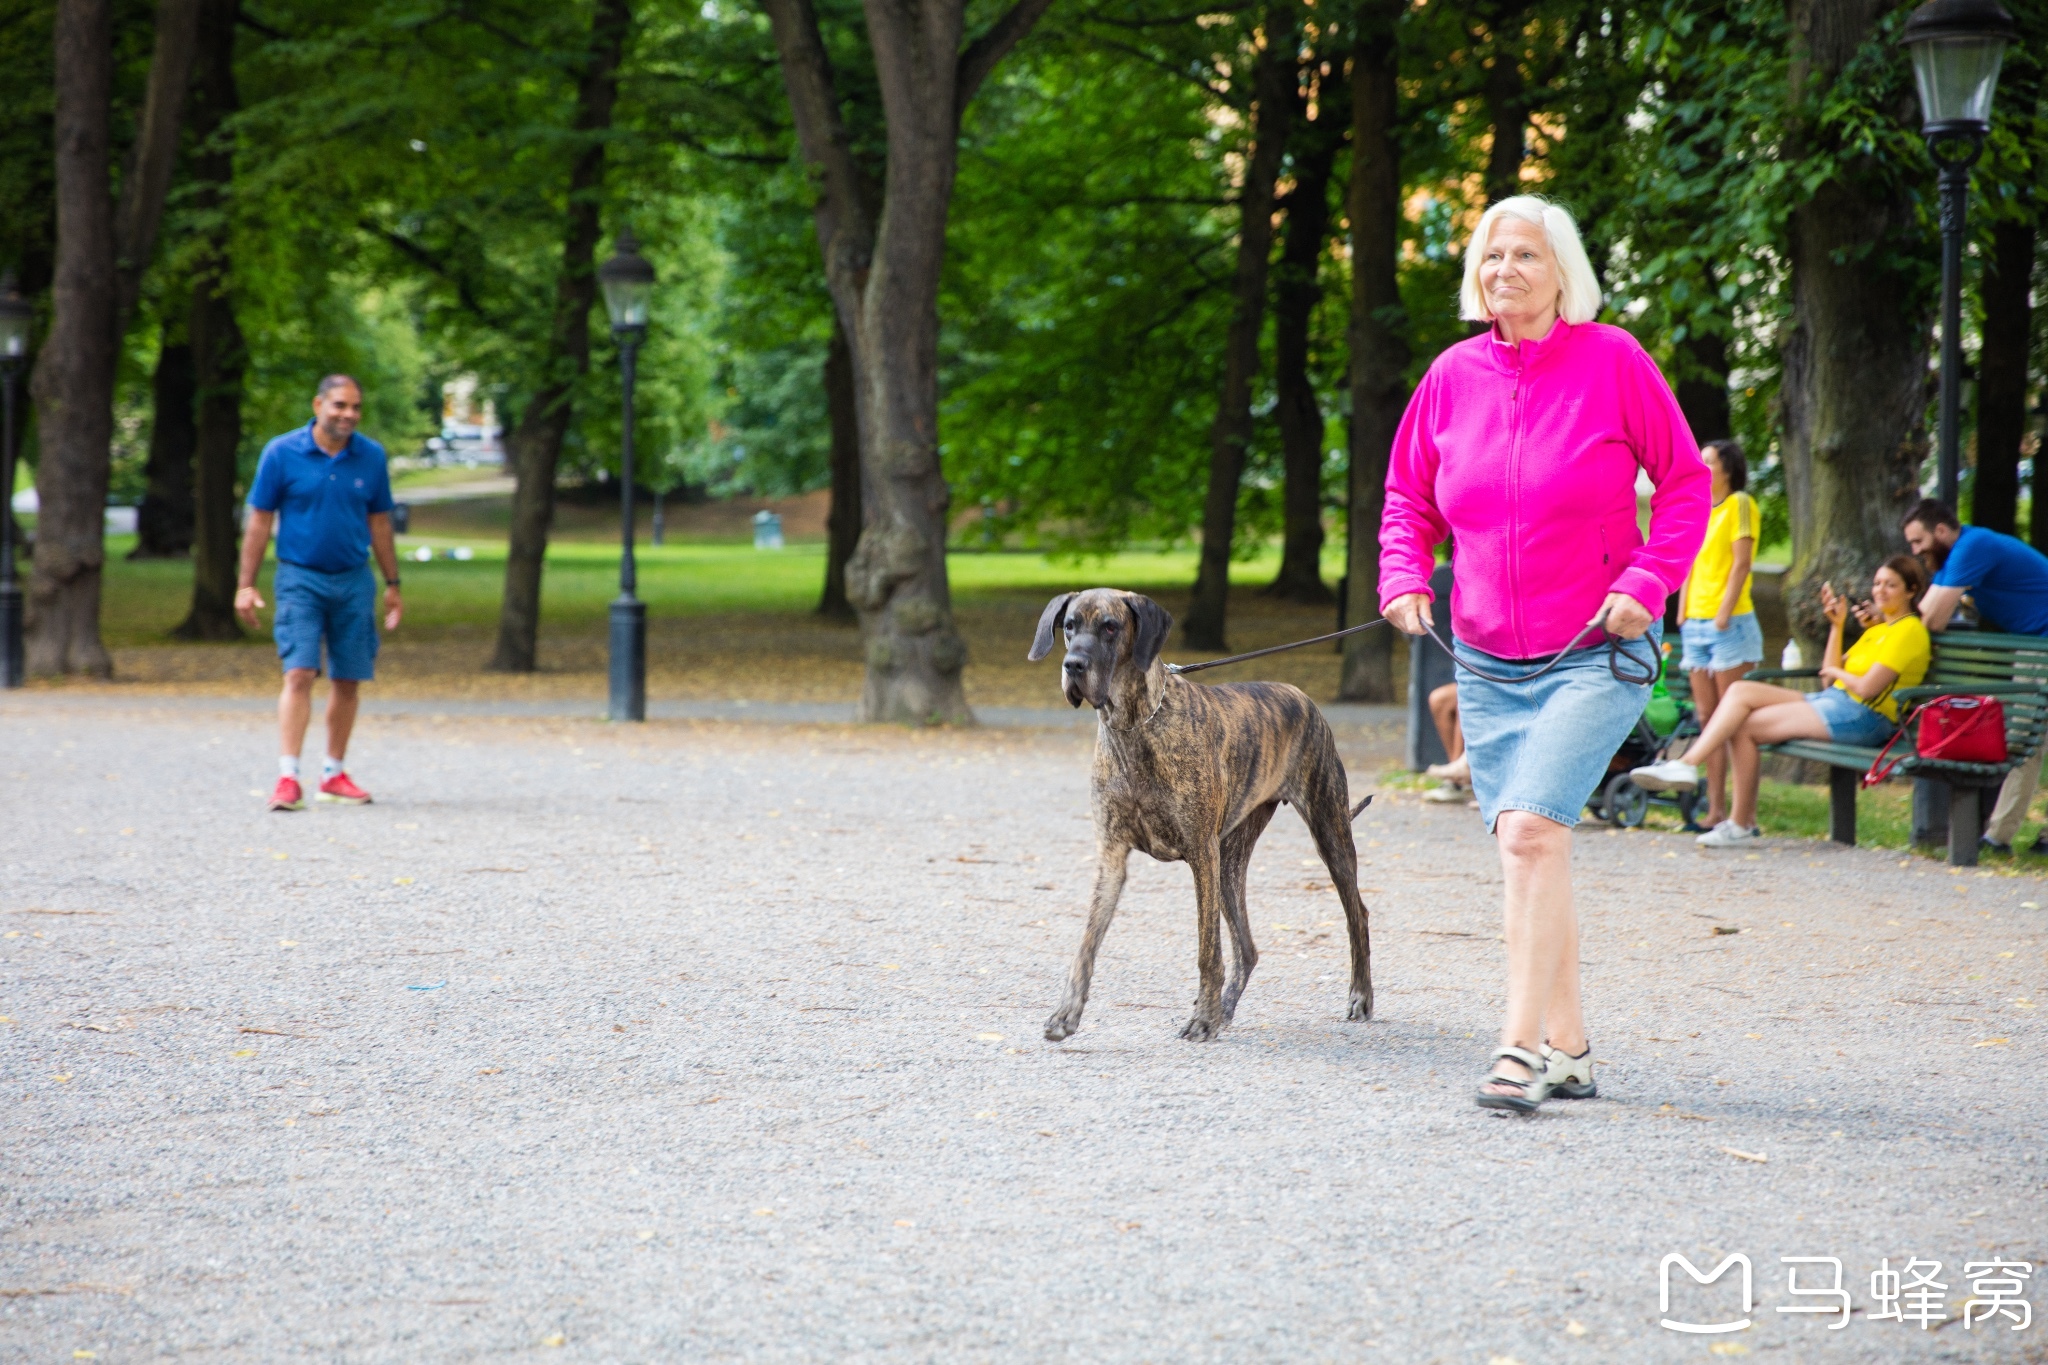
{"x": 1858, "y": 708}
{"x": 1719, "y": 628}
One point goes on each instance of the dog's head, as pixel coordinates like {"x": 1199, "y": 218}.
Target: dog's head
{"x": 1107, "y": 631}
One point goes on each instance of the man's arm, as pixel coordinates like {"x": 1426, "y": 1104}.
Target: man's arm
{"x": 1937, "y": 605}
{"x": 255, "y": 539}
{"x": 385, "y": 548}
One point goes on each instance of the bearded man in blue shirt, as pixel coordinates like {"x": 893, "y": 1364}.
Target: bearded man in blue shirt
{"x": 2007, "y": 580}
{"x": 327, "y": 491}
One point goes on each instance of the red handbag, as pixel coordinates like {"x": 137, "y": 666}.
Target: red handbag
{"x": 1953, "y": 729}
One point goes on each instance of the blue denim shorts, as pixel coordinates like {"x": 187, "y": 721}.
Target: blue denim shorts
{"x": 1849, "y": 721}
{"x": 1544, "y": 746}
{"x": 339, "y": 608}
{"x": 1718, "y": 650}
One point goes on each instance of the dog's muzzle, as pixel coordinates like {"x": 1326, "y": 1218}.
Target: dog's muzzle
{"x": 1073, "y": 681}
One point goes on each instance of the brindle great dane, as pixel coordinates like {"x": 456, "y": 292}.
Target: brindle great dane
{"x": 1193, "y": 773}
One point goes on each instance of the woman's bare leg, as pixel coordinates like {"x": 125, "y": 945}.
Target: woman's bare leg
{"x": 1443, "y": 709}
{"x": 1717, "y": 762}
{"x": 1542, "y": 930}
{"x": 1768, "y": 725}
{"x": 1733, "y": 709}
{"x": 1706, "y": 695}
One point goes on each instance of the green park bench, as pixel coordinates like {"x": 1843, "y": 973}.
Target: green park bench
{"x": 2012, "y": 668}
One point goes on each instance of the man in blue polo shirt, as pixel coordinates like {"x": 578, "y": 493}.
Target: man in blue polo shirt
{"x": 332, "y": 489}
{"x": 2007, "y": 579}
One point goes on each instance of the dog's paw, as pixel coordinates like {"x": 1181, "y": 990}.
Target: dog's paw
{"x": 1063, "y": 1024}
{"x": 1361, "y": 1006}
{"x": 1202, "y": 1029}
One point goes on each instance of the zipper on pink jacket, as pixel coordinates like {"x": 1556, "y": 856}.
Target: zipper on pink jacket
{"x": 1515, "y": 505}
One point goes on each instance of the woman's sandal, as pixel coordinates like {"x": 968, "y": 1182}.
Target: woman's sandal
{"x": 1533, "y": 1090}
{"x": 1569, "y": 1077}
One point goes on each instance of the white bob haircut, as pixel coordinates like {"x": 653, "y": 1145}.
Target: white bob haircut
{"x": 1578, "y": 298}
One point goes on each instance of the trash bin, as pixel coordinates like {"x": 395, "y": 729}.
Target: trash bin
{"x": 401, "y": 518}
{"x": 767, "y": 530}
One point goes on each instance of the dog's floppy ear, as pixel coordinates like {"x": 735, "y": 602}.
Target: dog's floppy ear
{"x": 1048, "y": 623}
{"x": 1154, "y": 624}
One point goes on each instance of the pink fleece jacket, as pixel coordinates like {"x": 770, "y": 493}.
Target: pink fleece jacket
{"x": 1526, "y": 455}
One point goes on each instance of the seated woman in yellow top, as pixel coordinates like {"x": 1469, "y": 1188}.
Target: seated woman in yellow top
{"x": 1722, "y": 638}
{"x": 1858, "y": 709}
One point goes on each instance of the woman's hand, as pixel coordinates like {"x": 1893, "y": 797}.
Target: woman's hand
{"x": 1410, "y": 613}
{"x": 1833, "y": 606}
{"x": 1829, "y": 674}
{"x": 1626, "y": 617}
{"x": 1723, "y": 619}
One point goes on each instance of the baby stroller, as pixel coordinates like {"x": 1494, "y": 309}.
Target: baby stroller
{"x": 1668, "y": 722}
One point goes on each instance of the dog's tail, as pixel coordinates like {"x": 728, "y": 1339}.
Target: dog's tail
{"x": 1361, "y": 806}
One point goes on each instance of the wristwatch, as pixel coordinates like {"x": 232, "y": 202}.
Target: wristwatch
{"x": 390, "y": 582}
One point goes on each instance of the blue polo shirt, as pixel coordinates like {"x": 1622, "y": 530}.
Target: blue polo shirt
{"x": 326, "y": 500}
{"x": 2007, "y": 578}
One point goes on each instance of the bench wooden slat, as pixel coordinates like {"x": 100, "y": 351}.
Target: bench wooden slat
{"x": 2013, "y": 668}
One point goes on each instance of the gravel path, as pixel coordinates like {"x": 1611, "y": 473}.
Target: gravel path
{"x": 713, "y": 1041}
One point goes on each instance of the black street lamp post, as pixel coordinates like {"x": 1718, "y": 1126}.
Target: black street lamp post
{"x": 14, "y": 321}
{"x": 1957, "y": 46}
{"x": 628, "y": 281}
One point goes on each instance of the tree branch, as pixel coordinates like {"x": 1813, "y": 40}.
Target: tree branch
{"x": 845, "y": 213}
{"x": 435, "y": 264}
{"x": 155, "y": 152}
{"x": 984, "y": 52}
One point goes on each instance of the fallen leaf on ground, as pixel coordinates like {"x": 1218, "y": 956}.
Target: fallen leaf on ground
{"x": 1575, "y": 1328}
{"x": 395, "y": 881}
{"x": 989, "y": 1037}
{"x": 905, "y": 1223}
{"x": 1992, "y": 1042}
{"x": 556, "y": 1340}
{"x": 1758, "y": 1157}
{"x": 491, "y": 1071}
{"x": 243, "y": 1052}
{"x": 61, "y": 1079}
{"x": 287, "y": 943}
{"x": 1728, "y": 1348}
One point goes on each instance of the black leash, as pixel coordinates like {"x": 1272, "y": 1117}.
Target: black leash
{"x": 1615, "y": 654}
{"x": 1276, "y": 649}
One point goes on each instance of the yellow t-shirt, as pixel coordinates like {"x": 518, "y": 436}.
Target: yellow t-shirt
{"x": 1733, "y": 520}
{"x": 1903, "y": 646}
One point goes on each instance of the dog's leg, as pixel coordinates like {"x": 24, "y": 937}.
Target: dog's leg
{"x": 1111, "y": 862}
{"x": 1237, "y": 856}
{"x": 1208, "y": 1019}
{"x": 1328, "y": 812}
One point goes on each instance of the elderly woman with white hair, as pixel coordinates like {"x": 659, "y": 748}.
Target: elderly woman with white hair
{"x": 1524, "y": 443}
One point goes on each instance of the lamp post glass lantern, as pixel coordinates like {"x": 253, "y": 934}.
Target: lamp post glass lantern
{"x": 1957, "y": 47}
{"x": 628, "y": 281}
{"x": 15, "y": 316}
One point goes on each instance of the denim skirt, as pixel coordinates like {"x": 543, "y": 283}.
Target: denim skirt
{"x": 1544, "y": 746}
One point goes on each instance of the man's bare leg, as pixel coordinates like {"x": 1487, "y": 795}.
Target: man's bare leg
{"x": 342, "y": 698}
{"x": 294, "y": 710}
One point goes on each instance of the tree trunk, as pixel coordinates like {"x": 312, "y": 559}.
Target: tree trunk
{"x": 1230, "y": 435}
{"x": 163, "y": 524}
{"x": 1507, "y": 106}
{"x": 2002, "y": 377}
{"x": 1297, "y": 289}
{"x": 219, "y": 356}
{"x": 1379, "y": 340}
{"x": 73, "y": 382}
{"x": 1854, "y": 392}
{"x": 842, "y": 522}
{"x": 1703, "y": 383}
{"x": 883, "y": 273}
{"x": 536, "y": 444}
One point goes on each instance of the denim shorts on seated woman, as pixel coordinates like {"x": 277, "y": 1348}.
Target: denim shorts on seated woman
{"x": 1849, "y": 721}
{"x": 1544, "y": 746}
{"x": 1720, "y": 650}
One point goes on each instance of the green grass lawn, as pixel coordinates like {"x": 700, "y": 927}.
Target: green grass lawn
{"x": 144, "y": 599}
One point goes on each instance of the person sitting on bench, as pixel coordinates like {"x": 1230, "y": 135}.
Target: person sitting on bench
{"x": 2007, "y": 581}
{"x": 1857, "y": 709}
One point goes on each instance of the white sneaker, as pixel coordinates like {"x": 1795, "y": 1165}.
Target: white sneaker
{"x": 1728, "y": 834}
{"x": 1458, "y": 769}
{"x": 1673, "y": 774}
{"x": 1448, "y": 794}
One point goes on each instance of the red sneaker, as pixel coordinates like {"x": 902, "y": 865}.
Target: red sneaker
{"x": 287, "y": 795}
{"x": 339, "y": 788}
